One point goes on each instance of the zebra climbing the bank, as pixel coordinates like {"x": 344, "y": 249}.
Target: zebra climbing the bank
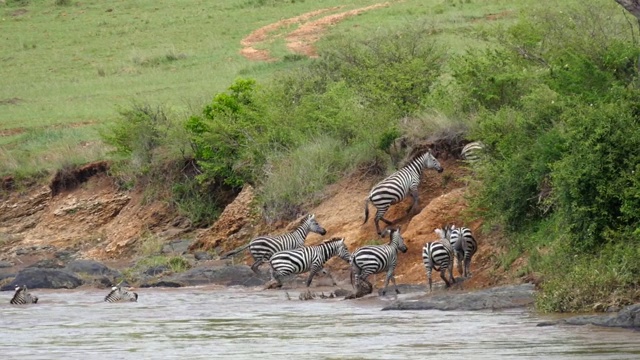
{"x": 374, "y": 259}
{"x": 307, "y": 258}
{"x": 438, "y": 255}
{"x": 472, "y": 152}
{"x": 398, "y": 186}
{"x": 464, "y": 246}
{"x": 118, "y": 294}
{"x": 23, "y": 297}
{"x": 263, "y": 247}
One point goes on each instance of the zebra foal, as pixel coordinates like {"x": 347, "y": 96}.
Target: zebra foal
{"x": 23, "y": 297}
{"x": 374, "y": 259}
{"x": 263, "y": 247}
{"x": 118, "y": 294}
{"x": 397, "y": 186}
{"x": 307, "y": 258}
{"x": 438, "y": 255}
{"x": 465, "y": 246}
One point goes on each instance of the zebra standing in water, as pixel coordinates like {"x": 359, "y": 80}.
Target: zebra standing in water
{"x": 472, "y": 152}
{"x": 22, "y": 296}
{"x": 464, "y": 246}
{"x": 374, "y": 259}
{"x": 307, "y": 258}
{"x": 118, "y": 294}
{"x": 398, "y": 186}
{"x": 438, "y": 255}
{"x": 263, "y": 247}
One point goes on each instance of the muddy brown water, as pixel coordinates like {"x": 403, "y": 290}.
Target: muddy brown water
{"x": 240, "y": 323}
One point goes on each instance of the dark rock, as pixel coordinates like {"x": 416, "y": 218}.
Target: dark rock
{"x": 156, "y": 270}
{"x": 91, "y": 267}
{"x": 547, "y": 323}
{"x": 63, "y": 255}
{"x": 22, "y": 251}
{"x": 37, "y": 278}
{"x": 403, "y": 288}
{"x": 5, "y": 264}
{"x": 495, "y": 298}
{"x": 202, "y": 256}
{"x": 162, "y": 283}
{"x": 341, "y": 292}
{"x": 180, "y": 246}
{"x": 628, "y": 317}
{"x": 221, "y": 275}
{"x": 6, "y": 276}
{"x": 48, "y": 264}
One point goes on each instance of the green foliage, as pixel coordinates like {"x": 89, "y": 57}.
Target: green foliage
{"x": 596, "y": 187}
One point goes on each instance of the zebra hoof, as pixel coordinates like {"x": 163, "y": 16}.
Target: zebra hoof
{"x": 397, "y": 291}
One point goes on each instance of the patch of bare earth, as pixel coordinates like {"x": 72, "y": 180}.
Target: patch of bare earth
{"x": 262, "y": 34}
{"x": 302, "y": 39}
{"x": 20, "y": 130}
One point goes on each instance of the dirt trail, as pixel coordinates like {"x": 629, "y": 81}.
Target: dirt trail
{"x": 301, "y": 40}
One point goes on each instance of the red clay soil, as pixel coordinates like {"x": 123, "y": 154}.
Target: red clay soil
{"x": 301, "y": 40}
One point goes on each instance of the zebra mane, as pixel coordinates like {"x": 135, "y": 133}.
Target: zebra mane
{"x": 415, "y": 154}
{"x": 333, "y": 239}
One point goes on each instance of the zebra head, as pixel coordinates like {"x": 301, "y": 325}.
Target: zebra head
{"x": 430, "y": 162}
{"x": 313, "y": 225}
{"x": 343, "y": 251}
{"x": 396, "y": 239}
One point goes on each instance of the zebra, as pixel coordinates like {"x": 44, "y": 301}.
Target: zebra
{"x": 22, "y": 296}
{"x": 464, "y": 246}
{"x": 439, "y": 255}
{"x": 472, "y": 152}
{"x": 307, "y": 258}
{"x": 263, "y": 247}
{"x": 397, "y": 186}
{"x": 118, "y": 294}
{"x": 374, "y": 259}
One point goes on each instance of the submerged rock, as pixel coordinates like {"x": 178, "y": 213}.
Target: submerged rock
{"x": 494, "y": 298}
{"x": 628, "y": 317}
{"x": 218, "y": 275}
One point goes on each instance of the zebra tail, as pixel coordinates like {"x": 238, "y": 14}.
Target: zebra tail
{"x": 235, "y": 251}
{"x": 366, "y": 210}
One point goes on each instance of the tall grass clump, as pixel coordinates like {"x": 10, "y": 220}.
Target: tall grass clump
{"x": 560, "y": 122}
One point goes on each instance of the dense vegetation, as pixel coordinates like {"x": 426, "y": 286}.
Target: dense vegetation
{"x": 554, "y": 97}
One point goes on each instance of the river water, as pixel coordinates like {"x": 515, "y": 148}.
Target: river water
{"x": 240, "y": 323}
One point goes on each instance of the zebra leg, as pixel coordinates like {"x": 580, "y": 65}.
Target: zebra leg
{"x": 444, "y": 276}
{"x": 386, "y": 281}
{"x": 429, "y": 277}
{"x": 459, "y": 258}
{"x": 393, "y": 278}
{"x": 453, "y": 280}
{"x": 467, "y": 266}
{"x": 256, "y": 265}
{"x": 312, "y": 273}
{"x": 414, "y": 204}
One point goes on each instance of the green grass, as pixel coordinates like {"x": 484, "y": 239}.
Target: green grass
{"x": 80, "y": 62}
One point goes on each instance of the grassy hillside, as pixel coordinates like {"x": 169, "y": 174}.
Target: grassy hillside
{"x": 67, "y": 70}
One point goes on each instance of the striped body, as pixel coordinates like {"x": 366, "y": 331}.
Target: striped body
{"x": 438, "y": 255}
{"x": 307, "y": 258}
{"x": 398, "y": 186}
{"x": 374, "y": 259}
{"x": 464, "y": 246}
{"x": 263, "y": 247}
{"x": 22, "y": 296}
{"x": 118, "y": 294}
{"x": 472, "y": 152}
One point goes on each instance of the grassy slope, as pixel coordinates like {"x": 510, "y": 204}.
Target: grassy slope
{"x": 72, "y": 67}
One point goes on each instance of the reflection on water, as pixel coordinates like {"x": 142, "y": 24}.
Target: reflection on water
{"x": 231, "y": 323}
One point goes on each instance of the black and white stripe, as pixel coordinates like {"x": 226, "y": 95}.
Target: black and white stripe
{"x": 263, "y": 247}
{"x": 118, "y": 294}
{"x": 465, "y": 246}
{"x": 438, "y": 255}
{"x": 23, "y": 297}
{"x": 307, "y": 258}
{"x": 374, "y": 259}
{"x": 472, "y": 152}
{"x": 398, "y": 186}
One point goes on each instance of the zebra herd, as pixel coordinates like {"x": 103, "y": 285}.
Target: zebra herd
{"x": 288, "y": 255}
{"x": 22, "y": 296}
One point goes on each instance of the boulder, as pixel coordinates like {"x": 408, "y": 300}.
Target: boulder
{"x": 494, "y": 298}
{"x": 628, "y": 317}
{"x": 91, "y": 267}
{"x": 39, "y": 278}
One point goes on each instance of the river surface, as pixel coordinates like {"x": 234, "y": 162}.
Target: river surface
{"x": 240, "y": 323}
